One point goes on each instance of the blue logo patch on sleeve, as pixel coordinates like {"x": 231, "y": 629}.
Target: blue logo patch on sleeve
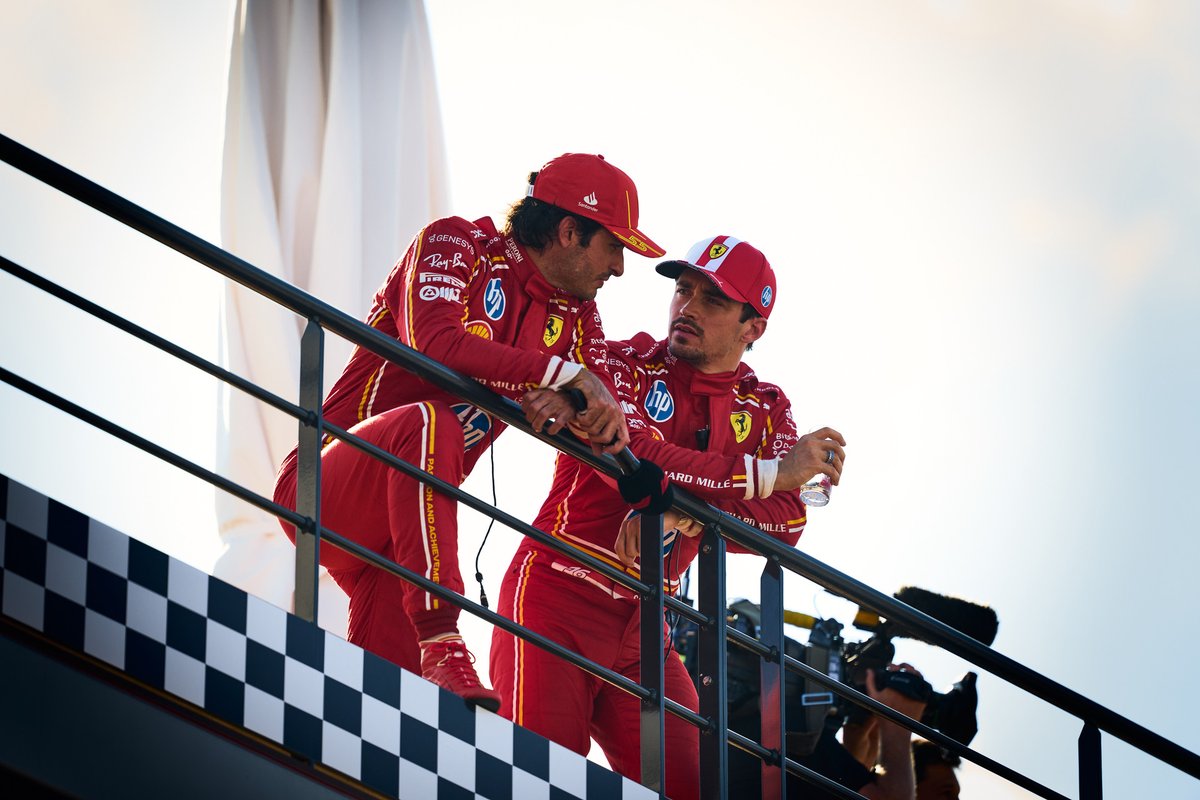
{"x": 475, "y": 423}
{"x": 493, "y": 300}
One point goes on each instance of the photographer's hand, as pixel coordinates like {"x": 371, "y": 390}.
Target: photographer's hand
{"x": 896, "y": 779}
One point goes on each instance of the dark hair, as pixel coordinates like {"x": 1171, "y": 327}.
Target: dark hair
{"x": 534, "y": 223}
{"x": 926, "y": 754}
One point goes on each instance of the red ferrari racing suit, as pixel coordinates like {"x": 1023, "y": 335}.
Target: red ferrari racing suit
{"x": 712, "y": 434}
{"x": 475, "y": 301}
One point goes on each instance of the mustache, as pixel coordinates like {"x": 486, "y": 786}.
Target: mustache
{"x": 678, "y": 321}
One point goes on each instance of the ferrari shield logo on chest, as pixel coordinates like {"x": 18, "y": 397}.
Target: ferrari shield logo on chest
{"x": 553, "y": 329}
{"x": 740, "y": 420}
{"x": 660, "y": 406}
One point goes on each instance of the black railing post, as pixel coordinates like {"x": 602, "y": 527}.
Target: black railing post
{"x": 771, "y": 698}
{"x": 1090, "y": 777}
{"x": 308, "y": 471}
{"x": 710, "y": 666}
{"x": 651, "y": 626}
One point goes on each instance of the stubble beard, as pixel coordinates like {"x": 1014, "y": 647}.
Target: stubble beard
{"x": 689, "y": 354}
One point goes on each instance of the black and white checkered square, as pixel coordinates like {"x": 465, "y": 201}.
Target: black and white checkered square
{"x": 250, "y": 663}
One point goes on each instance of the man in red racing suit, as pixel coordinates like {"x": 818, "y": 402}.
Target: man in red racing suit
{"x": 703, "y": 416}
{"x": 513, "y": 309}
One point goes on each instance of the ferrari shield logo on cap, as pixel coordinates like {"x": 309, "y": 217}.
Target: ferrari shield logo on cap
{"x": 554, "y": 327}
{"x": 740, "y": 420}
{"x": 717, "y": 250}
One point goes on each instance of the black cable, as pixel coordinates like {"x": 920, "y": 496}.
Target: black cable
{"x": 483, "y": 601}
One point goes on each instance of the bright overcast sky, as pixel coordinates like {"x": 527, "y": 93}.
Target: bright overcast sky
{"x": 983, "y": 217}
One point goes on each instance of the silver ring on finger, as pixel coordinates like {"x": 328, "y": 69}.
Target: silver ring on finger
{"x": 829, "y": 456}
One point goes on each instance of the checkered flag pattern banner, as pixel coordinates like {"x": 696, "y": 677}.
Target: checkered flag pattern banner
{"x": 245, "y": 661}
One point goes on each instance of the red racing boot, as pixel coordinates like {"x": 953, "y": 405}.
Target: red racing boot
{"x": 449, "y": 664}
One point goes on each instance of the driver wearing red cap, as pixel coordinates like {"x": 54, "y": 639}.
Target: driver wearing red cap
{"x": 702, "y": 415}
{"x": 513, "y": 308}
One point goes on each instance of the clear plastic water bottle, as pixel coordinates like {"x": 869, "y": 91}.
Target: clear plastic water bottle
{"x": 816, "y": 492}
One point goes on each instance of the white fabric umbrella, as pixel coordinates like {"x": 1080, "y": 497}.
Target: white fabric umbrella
{"x": 333, "y": 160}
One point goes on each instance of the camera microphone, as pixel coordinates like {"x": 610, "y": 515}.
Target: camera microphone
{"x": 978, "y": 622}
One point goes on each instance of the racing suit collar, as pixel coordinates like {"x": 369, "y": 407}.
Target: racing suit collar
{"x": 708, "y": 384}
{"x": 521, "y": 264}
{"x": 536, "y": 286}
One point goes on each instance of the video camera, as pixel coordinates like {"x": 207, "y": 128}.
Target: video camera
{"x": 811, "y": 707}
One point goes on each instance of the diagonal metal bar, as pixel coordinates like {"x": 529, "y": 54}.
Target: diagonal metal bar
{"x": 934, "y": 735}
{"x": 303, "y": 304}
{"x": 138, "y": 332}
{"x": 308, "y": 416}
{"x": 752, "y": 747}
{"x": 147, "y": 446}
{"x": 942, "y": 635}
{"x": 306, "y": 523}
{"x": 483, "y": 507}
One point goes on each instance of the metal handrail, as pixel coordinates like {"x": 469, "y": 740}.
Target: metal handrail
{"x": 330, "y": 318}
{"x": 938, "y": 633}
{"x": 332, "y": 537}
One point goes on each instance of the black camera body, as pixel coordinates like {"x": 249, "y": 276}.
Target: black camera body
{"x": 952, "y": 712}
{"x": 811, "y": 707}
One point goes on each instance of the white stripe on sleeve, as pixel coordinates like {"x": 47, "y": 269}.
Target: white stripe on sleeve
{"x": 559, "y": 373}
{"x": 768, "y": 471}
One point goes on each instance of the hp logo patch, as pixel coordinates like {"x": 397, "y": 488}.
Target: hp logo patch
{"x": 493, "y": 300}
{"x": 475, "y": 423}
{"x": 660, "y": 406}
{"x": 767, "y": 296}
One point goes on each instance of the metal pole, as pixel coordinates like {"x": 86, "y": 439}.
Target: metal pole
{"x": 308, "y": 471}
{"x": 652, "y": 678}
{"x": 1090, "y": 783}
{"x": 771, "y": 696}
{"x": 710, "y": 658}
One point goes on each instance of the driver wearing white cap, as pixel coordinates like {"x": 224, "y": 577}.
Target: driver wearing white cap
{"x": 702, "y": 415}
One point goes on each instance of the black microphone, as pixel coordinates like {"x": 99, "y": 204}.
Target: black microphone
{"x": 978, "y": 622}
{"x": 702, "y": 438}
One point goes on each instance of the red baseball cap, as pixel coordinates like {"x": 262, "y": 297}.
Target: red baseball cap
{"x": 591, "y": 187}
{"x": 740, "y": 271}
